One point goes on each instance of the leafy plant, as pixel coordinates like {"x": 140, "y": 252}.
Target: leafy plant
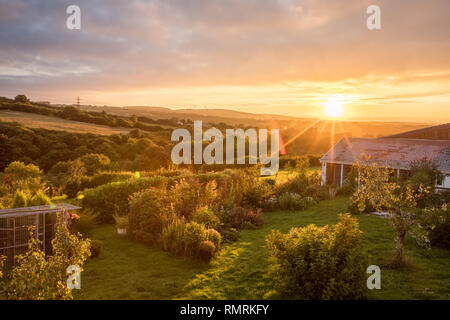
{"x": 319, "y": 262}
{"x": 38, "y": 199}
{"x": 215, "y": 237}
{"x": 435, "y": 226}
{"x": 20, "y": 199}
{"x": 150, "y": 213}
{"x": 173, "y": 236}
{"x": 40, "y": 277}
{"x": 240, "y": 217}
{"x": 194, "y": 234}
{"x": 206, "y": 250}
{"x": 121, "y": 221}
{"x": 206, "y": 217}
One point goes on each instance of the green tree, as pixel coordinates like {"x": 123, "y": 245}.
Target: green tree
{"x": 22, "y": 171}
{"x": 21, "y": 98}
{"x": 94, "y": 163}
{"x": 378, "y": 191}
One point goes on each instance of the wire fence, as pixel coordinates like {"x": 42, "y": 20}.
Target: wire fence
{"x": 15, "y": 229}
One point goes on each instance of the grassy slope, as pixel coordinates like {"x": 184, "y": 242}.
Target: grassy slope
{"x": 129, "y": 270}
{"x": 33, "y": 120}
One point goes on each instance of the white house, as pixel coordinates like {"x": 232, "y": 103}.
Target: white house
{"x": 396, "y": 153}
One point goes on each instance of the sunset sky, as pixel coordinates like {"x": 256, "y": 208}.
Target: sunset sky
{"x": 265, "y": 56}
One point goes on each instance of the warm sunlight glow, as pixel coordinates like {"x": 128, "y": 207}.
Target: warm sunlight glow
{"x": 334, "y": 108}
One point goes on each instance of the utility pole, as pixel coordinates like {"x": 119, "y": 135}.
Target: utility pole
{"x": 78, "y": 101}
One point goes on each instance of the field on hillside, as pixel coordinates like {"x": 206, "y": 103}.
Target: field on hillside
{"x": 130, "y": 270}
{"x": 33, "y": 120}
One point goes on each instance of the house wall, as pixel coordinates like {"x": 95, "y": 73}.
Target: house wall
{"x": 334, "y": 173}
{"x": 324, "y": 174}
{"x": 446, "y": 183}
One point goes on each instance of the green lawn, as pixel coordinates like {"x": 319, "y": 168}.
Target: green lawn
{"x": 130, "y": 270}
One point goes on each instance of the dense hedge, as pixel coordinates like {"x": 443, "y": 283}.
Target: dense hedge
{"x": 112, "y": 198}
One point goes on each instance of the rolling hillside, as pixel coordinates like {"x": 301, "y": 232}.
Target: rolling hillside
{"x": 33, "y": 120}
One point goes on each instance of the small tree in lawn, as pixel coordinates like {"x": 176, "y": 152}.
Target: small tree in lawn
{"x": 377, "y": 191}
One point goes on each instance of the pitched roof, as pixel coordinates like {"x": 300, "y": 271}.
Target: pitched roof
{"x": 394, "y": 152}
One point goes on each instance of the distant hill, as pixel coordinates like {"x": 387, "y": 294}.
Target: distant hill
{"x": 230, "y": 117}
{"x": 440, "y": 132}
{"x": 221, "y": 113}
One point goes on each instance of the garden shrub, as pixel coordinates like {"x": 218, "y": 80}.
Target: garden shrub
{"x": 230, "y": 235}
{"x": 96, "y": 246}
{"x": 187, "y": 195}
{"x": 194, "y": 234}
{"x": 75, "y": 184}
{"x": 324, "y": 193}
{"x": 206, "y": 217}
{"x": 437, "y": 199}
{"x": 320, "y": 262}
{"x": 215, "y": 237}
{"x": 307, "y": 202}
{"x": 39, "y": 199}
{"x": 173, "y": 236}
{"x": 107, "y": 177}
{"x": 150, "y": 212}
{"x": 240, "y": 217}
{"x": 313, "y": 191}
{"x": 270, "y": 204}
{"x": 296, "y": 184}
{"x": 435, "y": 222}
{"x": 20, "y": 199}
{"x": 112, "y": 198}
{"x": 206, "y": 250}
{"x": 121, "y": 221}
{"x": 293, "y": 201}
{"x": 289, "y": 201}
{"x": 255, "y": 193}
{"x": 350, "y": 183}
{"x": 234, "y": 186}
{"x": 85, "y": 223}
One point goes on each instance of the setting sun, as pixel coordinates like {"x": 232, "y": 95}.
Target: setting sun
{"x": 334, "y": 108}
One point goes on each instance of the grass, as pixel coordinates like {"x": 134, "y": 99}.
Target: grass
{"x": 129, "y": 270}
